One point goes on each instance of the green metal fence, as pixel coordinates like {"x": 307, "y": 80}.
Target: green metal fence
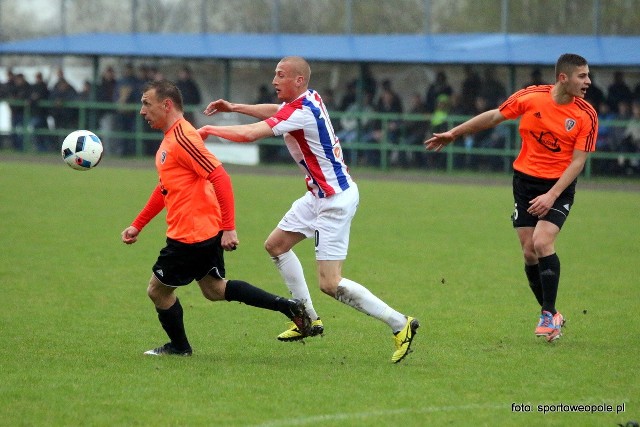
{"x": 453, "y": 157}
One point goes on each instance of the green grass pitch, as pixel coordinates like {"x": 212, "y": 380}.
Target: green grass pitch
{"x": 75, "y": 317}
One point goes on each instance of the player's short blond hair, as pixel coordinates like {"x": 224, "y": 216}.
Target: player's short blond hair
{"x": 300, "y": 66}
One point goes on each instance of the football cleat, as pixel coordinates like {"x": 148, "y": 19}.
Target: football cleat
{"x": 558, "y": 323}
{"x": 168, "y": 349}
{"x": 545, "y": 324}
{"x": 298, "y": 315}
{"x": 294, "y": 334}
{"x": 403, "y": 339}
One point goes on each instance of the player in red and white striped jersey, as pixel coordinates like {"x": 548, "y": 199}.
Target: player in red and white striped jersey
{"x": 325, "y": 211}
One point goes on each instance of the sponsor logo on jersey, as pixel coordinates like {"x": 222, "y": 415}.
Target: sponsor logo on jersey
{"x": 548, "y": 141}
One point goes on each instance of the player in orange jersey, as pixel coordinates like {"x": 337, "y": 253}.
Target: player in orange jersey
{"x": 197, "y": 193}
{"x": 558, "y": 129}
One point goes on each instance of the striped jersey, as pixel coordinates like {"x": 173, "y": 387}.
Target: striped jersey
{"x": 550, "y": 131}
{"x": 311, "y": 140}
{"x": 183, "y": 164}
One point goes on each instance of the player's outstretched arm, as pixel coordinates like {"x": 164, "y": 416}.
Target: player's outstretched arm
{"x": 237, "y": 133}
{"x": 259, "y": 111}
{"x": 482, "y": 121}
{"x": 439, "y": 140}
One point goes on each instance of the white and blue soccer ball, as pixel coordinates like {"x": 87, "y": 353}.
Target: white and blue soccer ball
{"x": 82, "y": 150}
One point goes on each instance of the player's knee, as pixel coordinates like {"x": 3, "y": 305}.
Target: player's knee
{"x": 271, "y": 248}
{"x": 213, "y": 289}
{"x": 156, "y": 295}
{"x": 543, "y": 247}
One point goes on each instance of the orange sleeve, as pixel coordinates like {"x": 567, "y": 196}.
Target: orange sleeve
{"x": 154, "y": 205}
{"x": 224, "y": 193}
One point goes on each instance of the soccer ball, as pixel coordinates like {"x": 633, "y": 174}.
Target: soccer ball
{"x": 82, "y": 150}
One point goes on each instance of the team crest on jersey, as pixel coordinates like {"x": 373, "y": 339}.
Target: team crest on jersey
{"x": 569, "y": 124}
{"x": 163, "y": 157}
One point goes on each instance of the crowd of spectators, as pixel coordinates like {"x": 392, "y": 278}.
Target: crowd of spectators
{"x": 618, "y": 108}
{"x": 117, "y": 125}
{"x": 423, "y": 112}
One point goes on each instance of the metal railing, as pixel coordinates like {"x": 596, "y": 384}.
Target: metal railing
{"x": 460, "y": 155}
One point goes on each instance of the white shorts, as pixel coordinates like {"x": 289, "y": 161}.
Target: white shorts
{"x": 328, "y": 220}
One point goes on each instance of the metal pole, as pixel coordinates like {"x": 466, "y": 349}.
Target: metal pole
{"x": 427, "y": 16}
{"x": 203, "y": 16}
{"x": 63, "y": 17}
{"x": 134, "y": 16}
{"x": 348, "y": 17}
{"x": 596, "y": 17}
{"x": 504, "y": 17}
{"x": 275, "y": 16}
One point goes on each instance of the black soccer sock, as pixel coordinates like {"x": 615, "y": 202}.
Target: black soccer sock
{"x": 173, "y": 325}
{"x": 533, "y": 275}
{"x": 238, "y": 290}
{"x": 549, "y": 277}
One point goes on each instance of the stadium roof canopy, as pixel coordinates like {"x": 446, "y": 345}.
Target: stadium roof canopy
{"x": 473, "y": 48}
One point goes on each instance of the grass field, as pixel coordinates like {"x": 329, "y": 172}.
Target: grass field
{"x": 75, "y": 317}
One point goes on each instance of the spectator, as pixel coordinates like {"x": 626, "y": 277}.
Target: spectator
{"x": 492, "y": 89}
{"x": 190, "y": 92}
{"x": 20, "y": 90}
{"x": 350, "y": 96}
{"x": 265, "y": 95}
{"x": 106, "y": 93}
{"x": 415, "y": 132}
{"x": 127, "y": 92}
{"x": 369, "y": 83}
{"x": 631, "y": 142}
{"x": 85, "y": 91}
{"x": 595, "y": 96}
{"x": 5, "y": 91}
{"x": 606, "y": 141}
{"x": 60, "y": 79}
{"x": 329, "y": 99}
{"x": 64, "y": 117}
{"x": 618, "y": 91}
{"x": 355, "y": 127}
{"x": 39, "y": 114}
{"x": 636, "y": 92}
{"x": 439, "y": 87}
{"x": 6, "y": 87}
{"x": 439, "y": 123}
{"x": 386, "y": 130}
{"x": 618, "y": 131}
{"x": 470, "y": 90}
{"x": 536, "y": 78}
{"x": 152, "y": 74}
{"x": 477, "y": 140}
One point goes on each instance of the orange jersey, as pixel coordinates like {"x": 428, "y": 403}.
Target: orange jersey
{"x": 183, "y": 164}
{"x": 550, "y": 132}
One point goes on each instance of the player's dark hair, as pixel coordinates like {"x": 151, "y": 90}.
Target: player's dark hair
{"x": 568, "y": 62}
{"x": 166, "y": 89}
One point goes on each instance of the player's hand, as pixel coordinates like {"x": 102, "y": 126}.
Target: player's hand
{"x": 130, "y": 235}
{"x": 218, "y": 106}
{"x": 541, "y": 205}
{"x": 438, "y": 141}
{"x": 230, "y": 240}
{"x": 203, "y": 132}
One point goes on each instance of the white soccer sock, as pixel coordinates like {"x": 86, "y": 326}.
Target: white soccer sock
{"x": 360, "y": 298}
{"x": 290, "y": 269}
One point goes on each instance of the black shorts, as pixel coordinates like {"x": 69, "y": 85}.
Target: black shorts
{"x": 181, "y": 263}
{"x": 527, "y": 188}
